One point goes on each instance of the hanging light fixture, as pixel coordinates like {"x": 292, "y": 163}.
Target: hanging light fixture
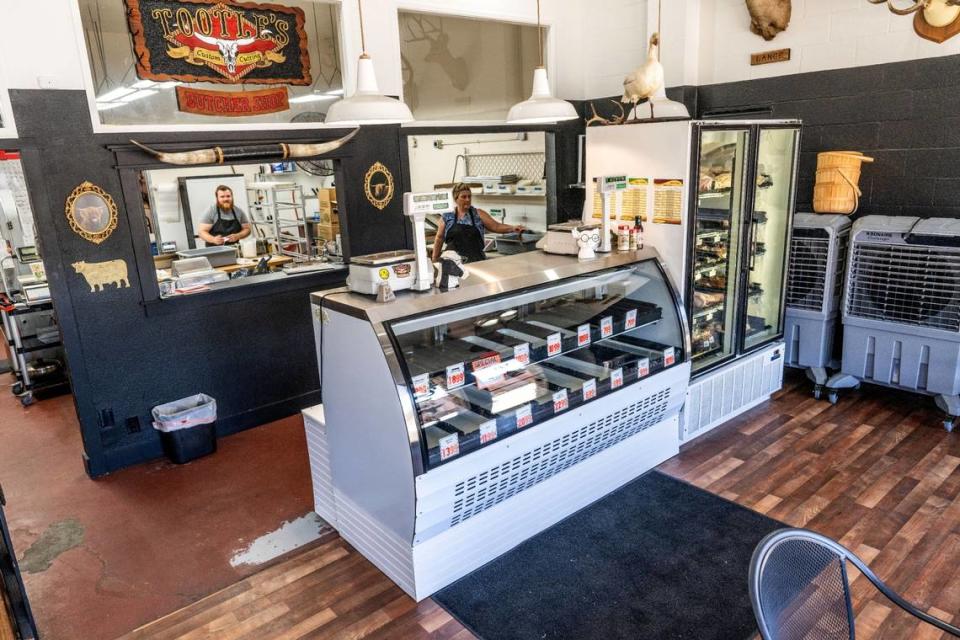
{"x": 541, "y": 106}
{"x": 659, "y": 105}
{"x": 367, "y": 105}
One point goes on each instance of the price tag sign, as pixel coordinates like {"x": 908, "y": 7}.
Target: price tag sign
{"x": 560, "y": 401}
{"x": 590, "y": 389}
{"x": 521, "y": 353}
{"x": 449, "y": 446}
{"x": 583, "y": 335}
{"x": 606, "y": 327}
{"x": 669, "y": 356}
{"x": 524, "y": 417}
{"x": 643, "y": 367}
{"x": 616, "y": 378}
{"x": 421, "y": 385}
{"x": 554, "y": 344}
{"x": 486, "y": 361}
{"x": 455, "y": 376}
{"x": 488, "y": 431}
{"x": 631, "y": 320}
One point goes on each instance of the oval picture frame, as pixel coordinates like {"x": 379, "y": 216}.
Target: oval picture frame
{"x": 379, "y": 193}
{"x": 91, "y": 212}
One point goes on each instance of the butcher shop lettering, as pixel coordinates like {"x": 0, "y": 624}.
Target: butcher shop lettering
{"x": 213, "y": 41}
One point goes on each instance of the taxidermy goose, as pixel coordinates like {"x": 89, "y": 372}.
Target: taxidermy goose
{"x": 645, "y": 81}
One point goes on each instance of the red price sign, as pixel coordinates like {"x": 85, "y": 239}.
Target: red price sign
{"x": 669, "y": 356}
{"x": 560, "y": 401}
{"x": 589, "y": 389}
{"x": 488, "y": 431}
{"x": 583, "y": 335}
{"x": 521, "y": 353}
{"x": 524, "y": 417}
{"x": 486, "y": 361}
{"x": 631, "y": 319}
{"x": 606, "y": 327}
{"x": 449, "y": 446}
{"x": 643, "y": 368}
{"x": 616, "y": 379}
{"x": 421, "y": 385}
{"x": 455, "y": 376}
{"x": 554, "y": 344}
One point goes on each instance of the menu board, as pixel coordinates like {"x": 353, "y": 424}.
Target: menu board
{"x": 668, "y": 201}
{"x": 632, "y": 202}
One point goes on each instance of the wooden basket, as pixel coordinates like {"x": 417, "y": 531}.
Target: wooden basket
{"x": 837, "y": 188}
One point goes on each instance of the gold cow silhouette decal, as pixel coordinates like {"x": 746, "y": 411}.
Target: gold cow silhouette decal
{"x": 98, "y": 274}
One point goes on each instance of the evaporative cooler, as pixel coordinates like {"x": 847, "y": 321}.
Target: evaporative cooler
{"x": 818, "y": 253}
{"x": 901, "y": 312}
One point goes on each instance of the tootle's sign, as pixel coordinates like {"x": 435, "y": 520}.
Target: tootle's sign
{"x": 215, "y": 41}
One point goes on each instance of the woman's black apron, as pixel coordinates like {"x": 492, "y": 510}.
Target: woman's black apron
{"x": 466, "y": 239}
{"x": 225, "y": 227}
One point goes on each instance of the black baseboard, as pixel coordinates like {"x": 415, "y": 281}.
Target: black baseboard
{"x": 148, "y": 450}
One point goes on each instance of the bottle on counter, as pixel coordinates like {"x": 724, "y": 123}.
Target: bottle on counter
{"x": 633, "y": 238}
{"x": 623, "y": 238}
{"x": 638, "y": 232}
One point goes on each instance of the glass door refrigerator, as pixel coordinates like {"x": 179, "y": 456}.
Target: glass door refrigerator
{"x": 743, "y": 185}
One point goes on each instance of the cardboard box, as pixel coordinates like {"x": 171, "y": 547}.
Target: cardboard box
{"x": 327, "y": 196}
{"x": 327, "y": 231}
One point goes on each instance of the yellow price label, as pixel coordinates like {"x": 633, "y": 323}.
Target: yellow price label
{"x": 384, "y": 274}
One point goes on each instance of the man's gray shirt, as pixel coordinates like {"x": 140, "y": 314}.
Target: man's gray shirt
{"x": 210, "y": 216}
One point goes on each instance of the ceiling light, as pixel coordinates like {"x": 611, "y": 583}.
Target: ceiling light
{"x": 116, "y": 94}
{"x": 311, "y": 97}
{"x": 367, "y": 105}
{"x": 142, "y": 84}
{"x": 143, "y": 93}
{"x": 106, "y": 106}
{"x": 541, "y": 106}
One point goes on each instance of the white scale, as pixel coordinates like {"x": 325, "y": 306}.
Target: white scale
{"x": 399, "y": 270}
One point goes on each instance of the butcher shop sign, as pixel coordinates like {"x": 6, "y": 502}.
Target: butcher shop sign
{"x": 216, "y": 41}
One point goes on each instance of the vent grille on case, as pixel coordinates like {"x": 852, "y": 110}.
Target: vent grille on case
{"x": 912, "y": 285}
{"x": 809, "y": 255}
{"x": 491, "y": 487}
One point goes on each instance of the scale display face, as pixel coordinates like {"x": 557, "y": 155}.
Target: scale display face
{"x": 611, "y": 184}
{"x": 427, "y": 202}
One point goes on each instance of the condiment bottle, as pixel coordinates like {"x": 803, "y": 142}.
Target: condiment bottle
{"x": 623, "y": 238}
{"x": 638, "y": 231}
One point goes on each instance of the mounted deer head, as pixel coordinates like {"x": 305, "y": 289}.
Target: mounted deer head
{"x": 936, "y": 20}
{"x": 769, "y": 17}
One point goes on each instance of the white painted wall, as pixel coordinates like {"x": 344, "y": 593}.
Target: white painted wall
{"x": 823, "y": 34}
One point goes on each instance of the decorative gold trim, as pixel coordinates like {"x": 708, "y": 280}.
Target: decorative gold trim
{"x": 385, "y": 190}
{"x": 71, "y": 210}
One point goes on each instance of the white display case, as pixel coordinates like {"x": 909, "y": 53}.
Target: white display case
{"x": 456, "y": 425}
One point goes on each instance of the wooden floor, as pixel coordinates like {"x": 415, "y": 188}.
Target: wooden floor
{"x": 876, "y": 472}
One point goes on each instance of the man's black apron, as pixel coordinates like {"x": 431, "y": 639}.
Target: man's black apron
{"x": 225, "y": 227}
{"x": 466, "y": 239}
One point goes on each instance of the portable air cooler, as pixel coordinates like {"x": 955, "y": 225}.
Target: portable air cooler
{"x": 818, "y": 253}
{"x": 901, "y": 313}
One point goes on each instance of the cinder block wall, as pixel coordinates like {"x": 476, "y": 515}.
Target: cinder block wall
{"x": 905, "y": 114}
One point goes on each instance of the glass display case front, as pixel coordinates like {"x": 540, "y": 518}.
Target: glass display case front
{"x": 718, "y": 220}
{"x": 484, "y": 372}
{"x": 773, "y": 201}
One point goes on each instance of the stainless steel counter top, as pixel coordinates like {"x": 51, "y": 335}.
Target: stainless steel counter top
{"x": 487, "y": 278}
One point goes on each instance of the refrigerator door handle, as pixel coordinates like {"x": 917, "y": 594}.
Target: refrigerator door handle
{"x": 753, "y": 244}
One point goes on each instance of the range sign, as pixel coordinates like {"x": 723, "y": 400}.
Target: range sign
{"x": 214, "y": 41}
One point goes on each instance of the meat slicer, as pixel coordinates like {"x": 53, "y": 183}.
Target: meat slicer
{"x": 387, "y": 272}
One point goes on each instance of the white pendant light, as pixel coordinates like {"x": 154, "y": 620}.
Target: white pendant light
{"x": 542, "y": 106}
{"x": 367, "y": 105}
{"x": 659, "y": 105}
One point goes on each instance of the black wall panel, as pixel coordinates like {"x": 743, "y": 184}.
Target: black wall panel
{"x": 251, "y": 349}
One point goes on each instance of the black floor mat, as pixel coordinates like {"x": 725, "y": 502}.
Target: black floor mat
{"x": 657, "y": 559}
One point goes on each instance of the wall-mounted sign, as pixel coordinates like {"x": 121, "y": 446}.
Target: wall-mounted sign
{"x": 232, "y": 103}
{"x": 216, "y": 41}
{"x": 99, "y": 274}
{"x": 378, "y": 185}
{"x": 770, "y": 57}
{"x": 91, "y": 212}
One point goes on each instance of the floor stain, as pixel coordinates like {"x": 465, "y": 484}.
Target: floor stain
{"x": 291, "y": 535}
{"x": 55, "y": 540}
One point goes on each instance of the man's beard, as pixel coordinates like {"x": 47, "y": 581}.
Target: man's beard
{"x": 225, "y": 206}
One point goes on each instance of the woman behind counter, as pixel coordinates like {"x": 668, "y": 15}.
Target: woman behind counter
{"x": 463, "y": 228}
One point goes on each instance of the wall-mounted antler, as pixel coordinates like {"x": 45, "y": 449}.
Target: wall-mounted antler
{"x": 597, "y": 119}
{"x": 917, "y": 5}
{"x": 219, "y": 155}
{"x": 936, "y": 20}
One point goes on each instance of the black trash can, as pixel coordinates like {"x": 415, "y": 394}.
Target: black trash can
{"x": 187, "y": 427}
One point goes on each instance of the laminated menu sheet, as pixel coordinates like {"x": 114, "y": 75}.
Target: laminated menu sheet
{"x": 668, "y": 201}
{"x": 632, "y": 202}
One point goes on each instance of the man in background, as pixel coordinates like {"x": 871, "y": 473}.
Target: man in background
{"x": 224, "y": 223}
